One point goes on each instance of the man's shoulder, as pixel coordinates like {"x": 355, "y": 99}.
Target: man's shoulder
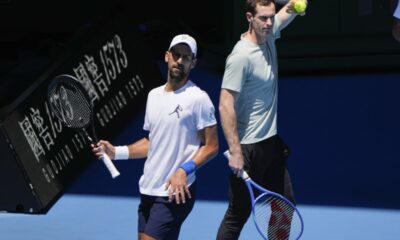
{"x": 196, "y": 92}
{"x": 242, "y": 47}
{"x": 157, "y": 89}
{"x": 193, "y": 88}
{"x": 241, "y": 51}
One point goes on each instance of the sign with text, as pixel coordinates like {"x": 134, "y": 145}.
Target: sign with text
{"x": 112, "y": 64}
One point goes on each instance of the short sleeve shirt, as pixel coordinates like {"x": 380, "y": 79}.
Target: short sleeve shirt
{"x": 173, "y": 120}
{"x": 252, "y": 71}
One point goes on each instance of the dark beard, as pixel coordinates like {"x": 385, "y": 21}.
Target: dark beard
{"x": 177, "y": 77}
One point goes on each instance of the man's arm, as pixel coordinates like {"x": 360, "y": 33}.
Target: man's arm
{"x": 286, "y": 14}
{"x": 210, "y": 146}
{"x": 138, "y": 149}
{"x": 229, "y": 126}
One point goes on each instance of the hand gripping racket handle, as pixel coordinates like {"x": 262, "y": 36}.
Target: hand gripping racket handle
{"x": 110, "y": 165}
{"x": 244, "y": 174}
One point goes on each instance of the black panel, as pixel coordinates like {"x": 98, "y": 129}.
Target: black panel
{"x": 112, "y": 62}
{"x": 15, "y": 195}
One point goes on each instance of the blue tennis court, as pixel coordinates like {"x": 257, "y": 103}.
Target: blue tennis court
{"x": 104, "y": 217}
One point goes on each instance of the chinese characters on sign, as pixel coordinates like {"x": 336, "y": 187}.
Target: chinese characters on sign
{"x": 98, "y": 73}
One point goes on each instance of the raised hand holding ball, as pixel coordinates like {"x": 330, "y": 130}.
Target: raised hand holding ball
{"x": 299, "y": 6}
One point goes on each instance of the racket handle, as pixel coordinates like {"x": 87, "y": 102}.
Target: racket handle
{"x": 244, "y": 174}
{"x": 110, "y": 165}
{"x": 226, "y": 154}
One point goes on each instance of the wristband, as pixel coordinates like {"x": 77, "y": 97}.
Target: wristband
{"x": 189, "y": 166}
{"x": 121, "y": 153}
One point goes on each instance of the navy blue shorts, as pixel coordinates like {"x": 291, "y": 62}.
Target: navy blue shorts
{"x": 161, "y": 219}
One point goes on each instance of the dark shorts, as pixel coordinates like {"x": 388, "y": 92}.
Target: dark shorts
{"x": 161, "y": 219}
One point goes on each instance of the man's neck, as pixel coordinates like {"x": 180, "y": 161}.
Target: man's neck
{"x": 252, "y": 37}
{"x": 173, "y": 85}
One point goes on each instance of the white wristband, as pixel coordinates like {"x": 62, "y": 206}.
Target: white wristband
{"x": 121, "y": 153}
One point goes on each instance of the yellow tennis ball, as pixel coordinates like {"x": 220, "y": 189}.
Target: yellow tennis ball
{"x": 299, "y": 6}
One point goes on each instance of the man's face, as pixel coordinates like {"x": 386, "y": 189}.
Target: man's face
{"x": 180, "y": 61}
{"x": 263, "y": 20}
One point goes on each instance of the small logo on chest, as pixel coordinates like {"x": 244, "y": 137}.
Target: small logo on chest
{"x": 177, "y": 110}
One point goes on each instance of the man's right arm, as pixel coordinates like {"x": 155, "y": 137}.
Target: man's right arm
{"x": 286, "y": 14}
{"x": 229, "y": 126}
{"x": 139, "y": 149}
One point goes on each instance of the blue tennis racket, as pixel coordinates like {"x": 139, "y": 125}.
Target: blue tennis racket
{"x": 275, "y": 217}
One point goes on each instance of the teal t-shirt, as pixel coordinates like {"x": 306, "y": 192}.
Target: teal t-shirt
{"x": 252, "y": 71}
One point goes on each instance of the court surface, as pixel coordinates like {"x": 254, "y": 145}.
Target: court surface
{"x": 87, "y": 217}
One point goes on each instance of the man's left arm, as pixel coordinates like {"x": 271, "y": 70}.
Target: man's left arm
{"x": 210, "y": 145}
{"x": 287, "y": 13}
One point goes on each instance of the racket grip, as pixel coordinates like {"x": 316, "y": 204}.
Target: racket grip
{"x": 226, "y": 154}
{"x": 110, "y": 165}
{"x": 244, "y": 174}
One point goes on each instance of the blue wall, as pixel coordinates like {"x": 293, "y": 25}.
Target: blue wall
{"x": 343, "y": 132}
{"x": 344, "y": 135}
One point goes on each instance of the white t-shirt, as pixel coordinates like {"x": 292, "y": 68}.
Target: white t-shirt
{"x": 396, "y": 13}
{"x": 173, "y": 120}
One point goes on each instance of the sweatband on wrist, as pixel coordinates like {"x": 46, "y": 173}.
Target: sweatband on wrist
{"x": 121, "y": 153}
{"x": 189, "y": 166}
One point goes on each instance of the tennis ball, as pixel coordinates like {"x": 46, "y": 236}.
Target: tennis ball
{"x": 299, "y": 6}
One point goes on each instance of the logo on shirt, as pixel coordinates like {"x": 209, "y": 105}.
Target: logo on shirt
{"x": 177, "y": 110}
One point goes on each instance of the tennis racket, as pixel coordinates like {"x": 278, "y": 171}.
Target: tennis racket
{"x": 275, "y": 217}
{"x": 71, "y": 104}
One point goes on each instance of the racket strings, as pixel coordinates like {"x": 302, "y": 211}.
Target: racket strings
{"x": 276, "y": 218}
{"x": 70, "y": 105}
